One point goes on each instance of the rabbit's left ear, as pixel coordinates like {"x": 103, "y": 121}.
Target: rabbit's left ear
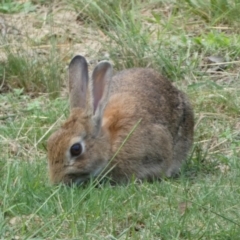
{"x": 101, "y": 80}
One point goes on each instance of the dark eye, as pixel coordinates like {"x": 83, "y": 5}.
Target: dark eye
{"x": 76, "y": 149}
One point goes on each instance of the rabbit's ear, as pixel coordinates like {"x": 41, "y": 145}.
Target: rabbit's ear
{"x": 78, "y": 82}
{"x": 101, "y": 79}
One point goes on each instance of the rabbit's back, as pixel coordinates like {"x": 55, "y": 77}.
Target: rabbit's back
{"x": 162, "y": 139}
{"x": 150, "y": 96}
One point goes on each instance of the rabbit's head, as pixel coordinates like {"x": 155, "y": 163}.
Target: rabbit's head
{"x": 80, "y": 148}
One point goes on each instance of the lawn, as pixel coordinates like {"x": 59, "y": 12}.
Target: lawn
{"x": 195, "y": 43}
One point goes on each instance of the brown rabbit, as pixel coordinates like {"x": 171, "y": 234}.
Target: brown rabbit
{"x": 104, "y": 110}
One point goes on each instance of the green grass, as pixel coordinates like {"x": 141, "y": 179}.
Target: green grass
{"x": 9, "y": 6}
{"x": 177, "y": 38}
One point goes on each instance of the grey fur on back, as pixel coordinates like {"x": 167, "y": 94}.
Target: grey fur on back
{"x": 162, "y": 108}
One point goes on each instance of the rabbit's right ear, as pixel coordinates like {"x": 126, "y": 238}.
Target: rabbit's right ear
{"x": 101, "y": 81}
{"x": 78, "y": 82}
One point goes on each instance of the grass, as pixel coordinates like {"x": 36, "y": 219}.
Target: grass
{"x": 180, "y": 39}
{"x": 216, "y": 11}
{"x": 9, "y": 6}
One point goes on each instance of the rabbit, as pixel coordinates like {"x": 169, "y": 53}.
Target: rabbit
{"x": 137, "y": 107}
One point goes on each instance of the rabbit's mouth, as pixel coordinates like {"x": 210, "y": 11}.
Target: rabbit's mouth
{"x": 80, "y": 177}
{"x": 77, "y": 179}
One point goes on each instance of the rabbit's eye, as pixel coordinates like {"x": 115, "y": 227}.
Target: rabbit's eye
{"x": 76, "y": 149}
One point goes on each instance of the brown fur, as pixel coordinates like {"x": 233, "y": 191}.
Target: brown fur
{"x": 156, "y": 148}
